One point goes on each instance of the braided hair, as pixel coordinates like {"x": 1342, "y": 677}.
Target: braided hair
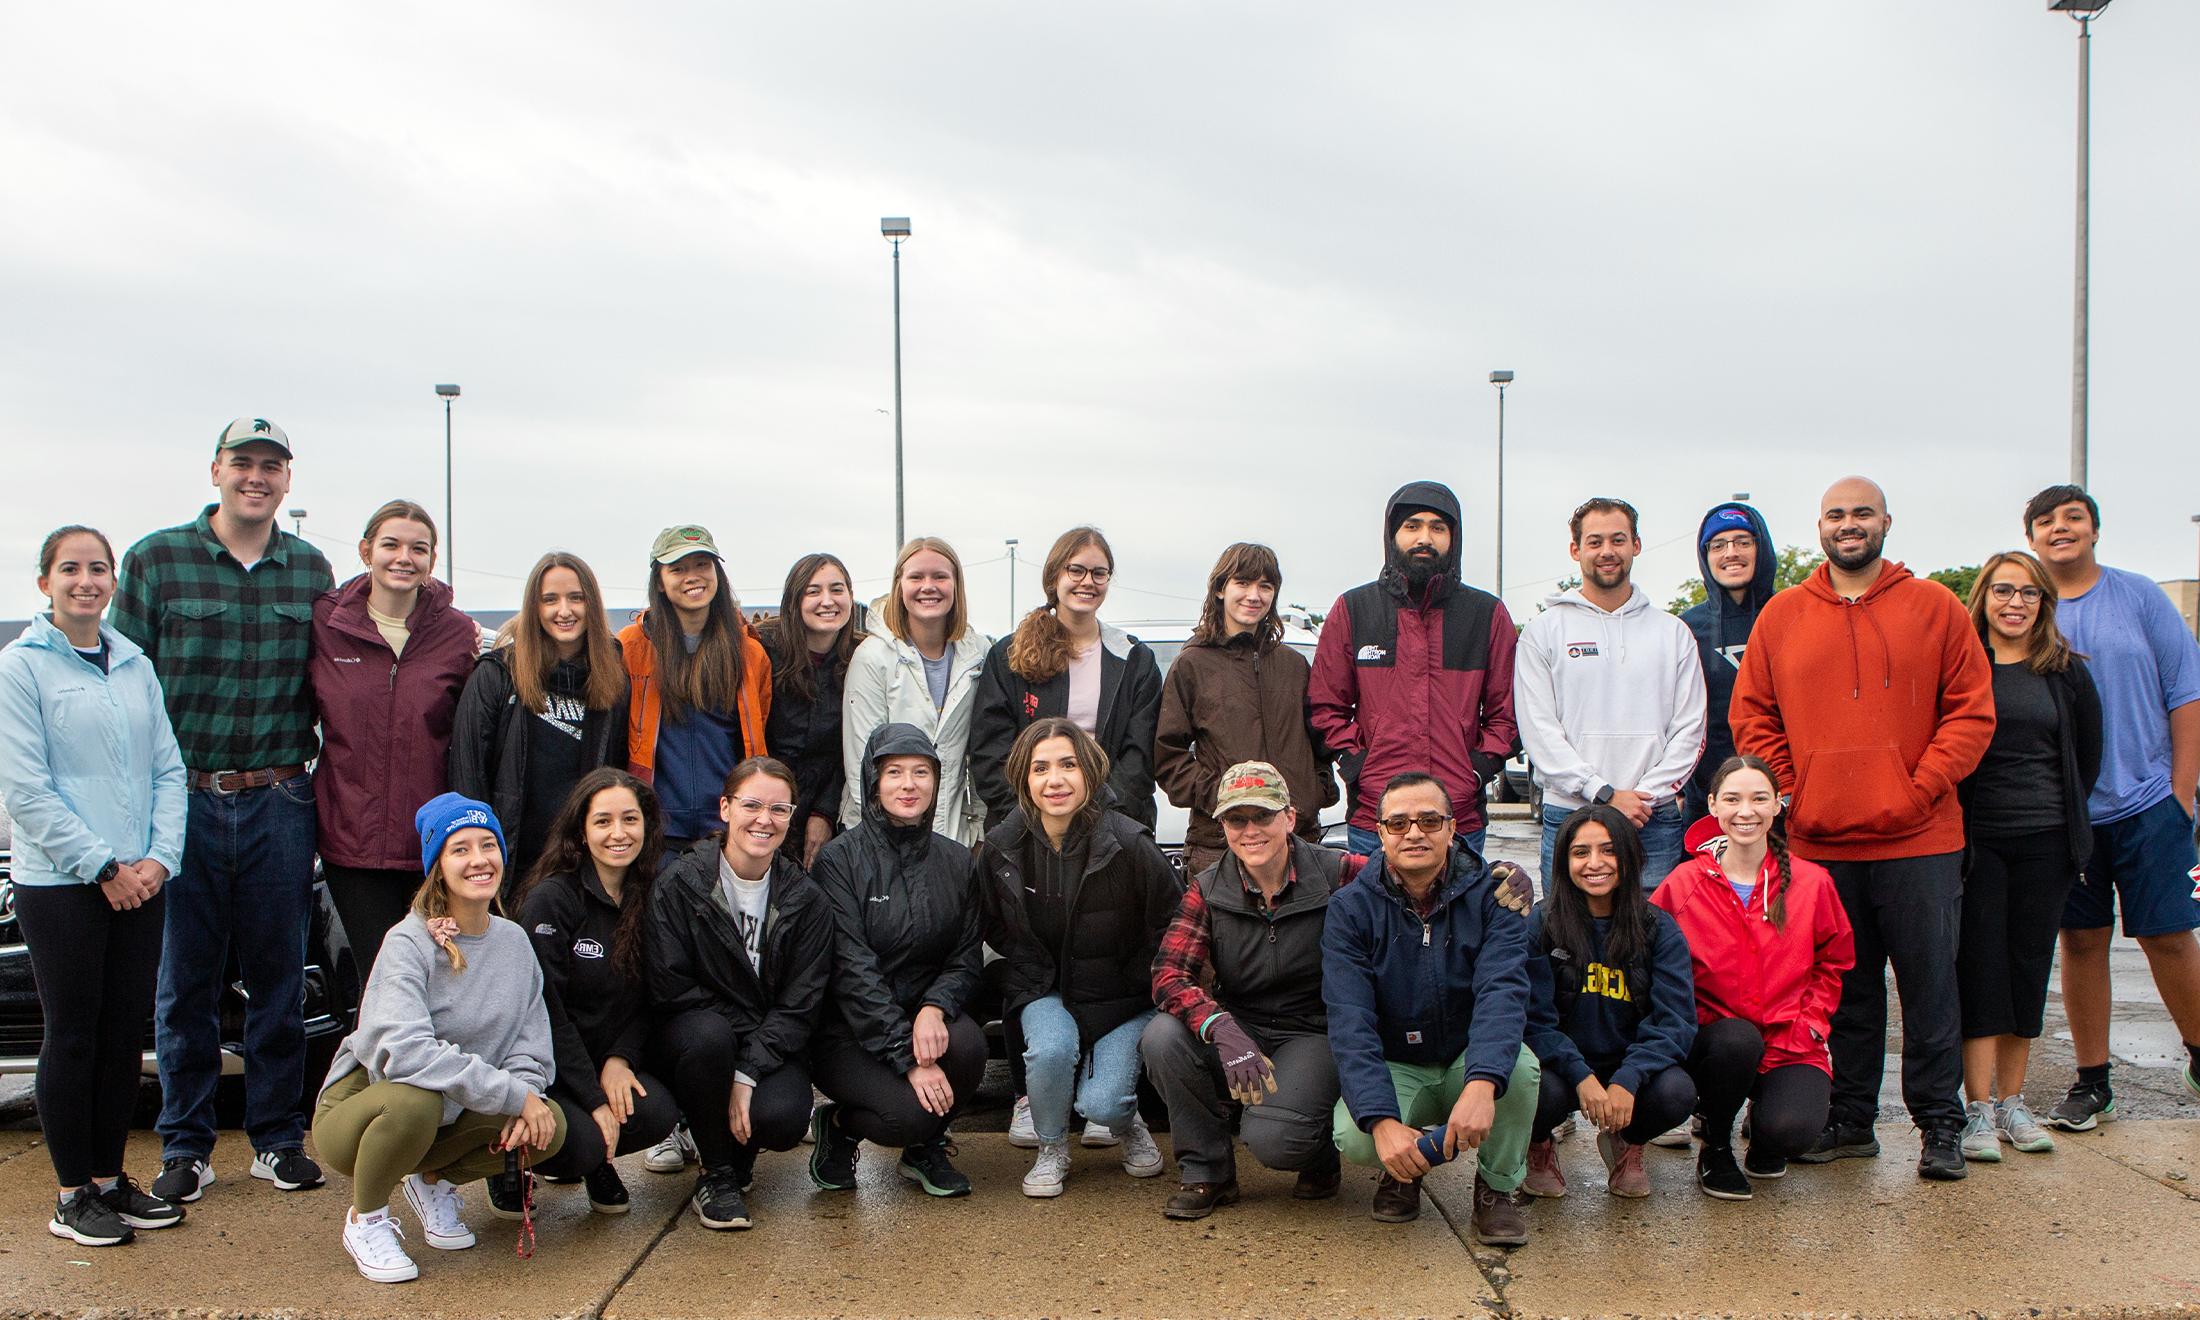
{"x": 1776, "y": 837}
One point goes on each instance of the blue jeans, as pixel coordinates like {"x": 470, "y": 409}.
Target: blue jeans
{"x": 1368, "y": 843}
{"x": 1661, "y": 843}
{"x": 246, "y": 885}
{"x": 1106, "y": 1093}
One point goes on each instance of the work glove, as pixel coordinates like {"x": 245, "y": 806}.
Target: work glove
{"x": 1514, "y": 891}
{"x": 1251, "y": 1074}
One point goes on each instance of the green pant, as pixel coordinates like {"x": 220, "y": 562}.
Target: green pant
{"x": 1426, "y": 1094}
{"x": 377, "y": 1132}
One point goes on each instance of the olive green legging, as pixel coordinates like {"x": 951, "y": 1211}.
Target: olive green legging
{"x": 377, "y": 1132}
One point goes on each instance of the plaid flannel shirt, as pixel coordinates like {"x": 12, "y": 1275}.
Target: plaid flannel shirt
{"x": 229, "y": 646}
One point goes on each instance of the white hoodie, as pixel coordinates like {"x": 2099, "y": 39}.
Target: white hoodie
{"x": 1608, "y": 698}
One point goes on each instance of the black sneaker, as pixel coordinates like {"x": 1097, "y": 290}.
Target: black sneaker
{"x": 2083, "y": 1108}
{"x": 1720, "y": 1176}
{"x": 832, "y": 1152}
{"x": 1940, "y": 1156}
{"x": 88, "y": 1221}
{"x": 291, "y": 1170}
{"x": 183, "y": 1178}
{"x": 606, "y": 1193}
{"x": 1843, "y": 1141}
{"x": 508, "y": 1195}
{"x": 928, "y": 1167}
{"x": 718, "y": 1202}
{"x": 133, "y": 1207}
{"x": 1764, "y": 1164}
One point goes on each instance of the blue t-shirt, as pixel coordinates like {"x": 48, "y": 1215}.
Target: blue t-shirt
{"x": 2146, "y": 665}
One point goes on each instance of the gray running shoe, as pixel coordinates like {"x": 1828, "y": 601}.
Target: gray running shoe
{"x": 2017, "y": 1126}
{"x": 2081, "y": 1110}
{"x": 1981, "y": 1140}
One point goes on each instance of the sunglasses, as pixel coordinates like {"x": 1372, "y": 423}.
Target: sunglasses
{"x": 1430, "y": 822}
{"x": 1249, "y": 817}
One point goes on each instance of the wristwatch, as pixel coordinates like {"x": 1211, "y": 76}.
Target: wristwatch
{"x": 1603, "y": 795}
{"x": 108, "y": 872}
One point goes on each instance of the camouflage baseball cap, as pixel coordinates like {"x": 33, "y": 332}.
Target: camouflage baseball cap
{"x": 674, "y": 544}
{"x": 1252, "y": 784}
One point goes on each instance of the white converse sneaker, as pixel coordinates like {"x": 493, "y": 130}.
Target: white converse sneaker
{"x": 377, "y": 1245}
{"x": 1049, "y": 1171}
{"x": 1141, "y": 1157}
{"x": 1020, "y": 1130}
{"x": 1680, "y": 1136}
{"x": 1097, "y": 1136}
{"x": 671, "y": 1155}
{"x": 438, "y": 1206}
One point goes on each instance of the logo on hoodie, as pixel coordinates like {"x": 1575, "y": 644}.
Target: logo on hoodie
{"x": 1733, "y": 654}
{"x": 587, "y": 949}
{"x": 1372, "y": 654}
{"x": 1581, "y": 650}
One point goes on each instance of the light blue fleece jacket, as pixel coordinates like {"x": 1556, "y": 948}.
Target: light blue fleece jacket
{"x": 89, "y": 767}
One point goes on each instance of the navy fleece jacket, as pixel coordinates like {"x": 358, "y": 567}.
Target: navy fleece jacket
{"x": 1611, "y": 1020}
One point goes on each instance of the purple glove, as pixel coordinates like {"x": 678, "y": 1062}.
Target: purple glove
{"x": 1251, "y": 1077}
{"x": 1511, "y": 885}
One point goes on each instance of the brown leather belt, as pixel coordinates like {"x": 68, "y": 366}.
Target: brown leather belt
{"x": 237, "y": 781}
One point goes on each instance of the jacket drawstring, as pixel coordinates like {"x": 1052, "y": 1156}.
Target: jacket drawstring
{"x": 1886, "y": 652}
{"x": 1856, "y": 661}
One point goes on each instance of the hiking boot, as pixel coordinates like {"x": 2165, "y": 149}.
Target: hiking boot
{"x": 2015, "y": 1124}
{"x": 672, "y": 1154}
{"x": 86, "y": 1219}
{"x": 1318, "y": 1184}
{"x": 183, "y": 1178}
{"x": 133, "y": 1207}
{"x": 832, "y": 1151}
{"x": 1980, "y": 1140}
{"x": 717, "y": 1200}
{"x": 1197, "y": 1200}
{"x": 1545, "y": 1178}
{"x": 1940, "y": 1155}
{"x": 1719, "y": 1176}
{"x": 1398, "y": 1202}
{"x": 2083, "y": 1108}
{"x": 1021, "y": 1132}
{"x": 1141, "y": 1157}
{"x": 1763, "y": 1165}
{"x": 928, "y": 1167}
{"x": 1497, "y": 1218}
{"x": 377, "y": 1245}
{"x": 1049, "y": 1171}
{"x": 1843, "y": 1141}
{"x": 606, "y": 1190}
{"x": 290, "y": 1169}
{"x": 1623, "y": 1170}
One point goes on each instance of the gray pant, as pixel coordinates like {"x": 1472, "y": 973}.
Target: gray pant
{"x": 1289, "y": 1130}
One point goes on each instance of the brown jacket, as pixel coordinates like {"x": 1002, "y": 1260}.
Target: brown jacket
{"x": 1226, "y": 702}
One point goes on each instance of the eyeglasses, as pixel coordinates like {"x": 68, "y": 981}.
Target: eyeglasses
{"x": 1245, "y": 818}
{"x": 1738, "y": 541}
{"x": 776, "y": 810}
{"x": 2004, "y": 590}
{"x": 1080, "y": 573}
{"x": 1430, "y": 822}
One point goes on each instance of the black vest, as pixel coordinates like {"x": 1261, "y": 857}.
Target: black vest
{"x": 1268, "y": 965}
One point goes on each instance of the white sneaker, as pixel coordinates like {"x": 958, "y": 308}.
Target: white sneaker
{"x": 1678, "y": 1137}
{"x": 1564, "y": 1129}
{"x": 1981, "y": 1139}
{"x": 673, "y": 1154}
{"x": 1020, "y": 1131}
{"x": 1141, "y": 1157}
{"x": 2014, "y": 1123}
{"x": 377, "y": 1245}
{"x": 1097, "y": 1137}
{"x": 1049, "y": 1171}
{"x": 438, "y": 1206}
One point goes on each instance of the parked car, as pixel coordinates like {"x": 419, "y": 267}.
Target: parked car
{"x": 332, "y": 996}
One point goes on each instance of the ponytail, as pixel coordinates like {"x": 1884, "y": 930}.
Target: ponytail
{"x": 1040, "y": 649}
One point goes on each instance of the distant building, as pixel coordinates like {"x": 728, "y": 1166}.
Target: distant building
{"x": 2184, "y": 593}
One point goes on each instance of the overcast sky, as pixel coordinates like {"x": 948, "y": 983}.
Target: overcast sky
{"x": 1195, "y": 273}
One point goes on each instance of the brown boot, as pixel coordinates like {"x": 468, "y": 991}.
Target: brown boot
{"x": 1316, "y": 1184}
{"x": 1396, "y": 1202}
{"x": 1198, "y": 1200}
{"x": 1497, "y": 1218}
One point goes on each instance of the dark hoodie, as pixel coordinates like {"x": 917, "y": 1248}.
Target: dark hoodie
{"x": 908, "y": 928}
{"x": 1722, "y": 625}
{"x": 1408, "y": 679}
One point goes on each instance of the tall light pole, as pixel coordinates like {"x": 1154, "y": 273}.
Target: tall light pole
{"x": 1012, "y": 543}
{"x": 298, "y": 523}
{"x": 1500, "y": 379}
{"x": 2085, "y": 11}
{"x": 895, "y": 228}
{"x": 450, "y": 523}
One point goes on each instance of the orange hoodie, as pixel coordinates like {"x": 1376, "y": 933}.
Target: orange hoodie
{"x": 646, "y": 707}
{"x": 1869, "y": 711}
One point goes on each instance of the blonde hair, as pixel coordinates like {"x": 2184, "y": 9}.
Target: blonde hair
{"x": 896, "y": 611}
{"x": 433, "y": 899}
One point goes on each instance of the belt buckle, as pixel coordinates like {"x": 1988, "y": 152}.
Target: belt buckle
{"x": 214, "y": 784}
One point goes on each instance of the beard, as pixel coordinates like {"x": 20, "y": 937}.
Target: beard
{"x": 1418, "y": 569}
{"x": 1604, "y": 580}
{"x": 1852, "y": 557}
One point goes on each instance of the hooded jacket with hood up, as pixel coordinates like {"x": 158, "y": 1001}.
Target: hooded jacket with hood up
{"x": 89, "y": 766}
{"x": 1130, "y": 704}
{"x": 1609, "y": 698}
{"x": 885, "y": 684}
{"x": 908, "y": 925}
{"x": 386, "y": 721}
{"x": 1416, "y": 680}
{"x": 1869, "y": 712}
{"x": 1722, "y": 625}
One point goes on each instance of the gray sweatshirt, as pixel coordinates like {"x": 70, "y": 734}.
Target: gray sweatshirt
{"x": 479, "y": 1038}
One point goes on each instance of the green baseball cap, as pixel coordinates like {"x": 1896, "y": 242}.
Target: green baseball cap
{"x": 1252, "y": 784}
{"x": 248, "y": 430}
{"x": 674, "y": 544}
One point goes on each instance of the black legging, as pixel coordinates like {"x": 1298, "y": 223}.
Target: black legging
{"x": 876, "y": 1104}
{"x": 95, "y": 969}
{"x": 1788, "y": 1104}
{"x": 1664, "y": 1100}
{"x": 583, "y": 1151}
{"x": 368, "y": 903}
{"x": 697, "y": 1050}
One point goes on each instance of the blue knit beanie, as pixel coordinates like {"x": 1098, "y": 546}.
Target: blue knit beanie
{"x": 444, "y": 815}
{"x": 1726, "y": 518}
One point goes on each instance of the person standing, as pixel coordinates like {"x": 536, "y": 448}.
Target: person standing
{"x": 1866, "y": 691}
{"x": 390, "y": 657}
{"x": 2147, "y": 666}
{"x": 810, "y": 642}
{"x": 1237, "y": 694}
{"x": 93, "y": 781}
{"x": 1610, "y": 693}
{"x": 1062, "y": 661}
{"x": 1414, "y": 671}
{"x": 223, "y": 607}
{"x": 2024, "y": 817}
{"x": 700, "y": 684}
{"x": 1740, "y": 573}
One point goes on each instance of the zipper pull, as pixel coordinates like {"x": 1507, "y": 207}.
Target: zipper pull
{"x": 1424, "y": 935}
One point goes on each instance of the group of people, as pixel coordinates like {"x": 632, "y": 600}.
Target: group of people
{"x": 749, "y": 863}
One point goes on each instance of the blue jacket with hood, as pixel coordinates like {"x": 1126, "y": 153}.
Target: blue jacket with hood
{"x": 1722, "y": 629}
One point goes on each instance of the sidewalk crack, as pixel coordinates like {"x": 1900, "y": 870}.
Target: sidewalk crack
{"x": 1496, "y": 1271}
{"x": 610, "y": 1294}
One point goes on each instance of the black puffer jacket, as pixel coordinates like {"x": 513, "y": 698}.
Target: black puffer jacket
{"x": 1116, "y": 912}
{"x": 696, "y": 958}
{"x": 907, "y": 927}
{"x": 489, "y": 743}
